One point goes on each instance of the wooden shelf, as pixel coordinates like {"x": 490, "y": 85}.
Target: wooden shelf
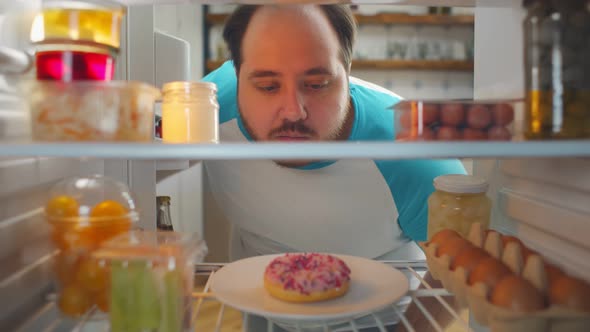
{"x": 449, "y": 65}
{"x": 387, "y": 18}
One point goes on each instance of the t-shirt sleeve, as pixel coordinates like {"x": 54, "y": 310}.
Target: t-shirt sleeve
{"x": 411, "y": 183}
{"x": 225, "y": 79}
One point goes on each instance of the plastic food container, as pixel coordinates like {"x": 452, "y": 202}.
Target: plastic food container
{"x": 84, "y": 21}
{"x": 151, "y": 277}
{"x": 91, "y": 111}
{"x": 84, "y": 212}
{"x": 452, "y": 120}
{"x": 75, "y": 65}
{"x": 457, "y": 203}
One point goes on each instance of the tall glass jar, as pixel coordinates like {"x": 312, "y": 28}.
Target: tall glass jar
{"x": 190, "y": 113}
{"x": 557, "y": 69}
{"x": 458, "y": 202}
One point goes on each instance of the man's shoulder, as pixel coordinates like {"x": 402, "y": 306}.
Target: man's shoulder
{"x": 226, "y": 81}
{"x": 374, "y": 116}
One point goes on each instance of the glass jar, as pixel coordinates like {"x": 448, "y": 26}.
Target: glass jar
{"x": 190, "y": 112}
{"x": 458, "y": 202}
{"x": 163, "y": 219}
{"x": 557, "y": 69}
{"x": 84, "y": 212}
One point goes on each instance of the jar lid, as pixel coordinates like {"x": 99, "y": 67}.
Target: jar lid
{"x": 460, "y": 184}
{"x": 188, "y": 86}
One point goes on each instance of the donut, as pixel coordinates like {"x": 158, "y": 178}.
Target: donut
{"x": 306, "y": 277}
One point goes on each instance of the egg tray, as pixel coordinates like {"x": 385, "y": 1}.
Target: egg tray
{"x": 554, "y": 318}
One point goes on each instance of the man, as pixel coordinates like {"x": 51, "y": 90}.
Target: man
{"x": 289, "y": 81}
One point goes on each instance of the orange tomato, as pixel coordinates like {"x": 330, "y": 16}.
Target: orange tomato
{"x": 79, "y": 239}
{"x": 62, "y": 207}
{"x": 107, "y": 209}
{"x": 64, "y": 267}
{"x": 73, "y": 301}
{"x": 92, "y": 276}
{"x": 103, "y": 300}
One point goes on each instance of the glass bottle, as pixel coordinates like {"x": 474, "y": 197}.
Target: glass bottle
{"x": 557, "y": 69}
{"x": 164, "y": 221}
{"x": 458, "y": 202}
{"x": 190, "y": 112}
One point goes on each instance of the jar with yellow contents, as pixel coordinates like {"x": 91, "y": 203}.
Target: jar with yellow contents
{"x": 457, "y": 203}
{"x": 83, "y": 213}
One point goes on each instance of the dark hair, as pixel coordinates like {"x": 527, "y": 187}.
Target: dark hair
{"x": 339, "y": 16}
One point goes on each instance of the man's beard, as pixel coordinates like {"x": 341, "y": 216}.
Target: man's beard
{"x": 297, "y": 127}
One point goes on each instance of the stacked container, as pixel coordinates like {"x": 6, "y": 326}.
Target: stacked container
{"x": 151, "y": 279}
{"x": 73, "y": 98}
{"x": 84, "y": 212}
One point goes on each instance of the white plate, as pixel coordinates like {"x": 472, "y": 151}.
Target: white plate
{"x": 373, "y": 286}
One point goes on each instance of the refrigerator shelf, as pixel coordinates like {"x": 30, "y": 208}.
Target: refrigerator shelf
{"x": 211, "y": 315}
{"x": 317, "y": 151}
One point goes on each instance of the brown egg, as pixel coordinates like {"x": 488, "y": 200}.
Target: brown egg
{"x": 503, "y": 114}
{"x": 442, "y": 236}
{"x": 452, "y": 247}
{"x": 489, "y": 271}
{"x": 452, "y": 114}
{"x": 430, "y": 113}
{"x": 499, "y": 133}
{"x": 517, "y": 294}
{"x": 571, "y": 293}
{"x": 553, "y": 273}
{"x": 470, "y": 134}
{"x": 479, "y": 116}
{"x": 468, "y": 258}
{"x": 447, "y": 133}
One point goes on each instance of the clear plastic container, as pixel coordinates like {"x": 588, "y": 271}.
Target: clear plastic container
{"x": 190, "y": 112}
{"x": 458, "y": 202}
{"x": 80, "y": 21}
{"x": 91, "y": 111}
{"x": 84, "y": 212}
{"x": 151, "y": 277}
{"x": 451, "y": 120}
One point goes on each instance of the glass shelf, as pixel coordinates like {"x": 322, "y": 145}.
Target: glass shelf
{"x": 317, "y": 151}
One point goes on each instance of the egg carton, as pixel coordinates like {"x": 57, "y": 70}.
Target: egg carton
{"x": 553, "y": 318}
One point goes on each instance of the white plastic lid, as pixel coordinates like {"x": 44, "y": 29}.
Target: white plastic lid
{"x": 460, "y": 184}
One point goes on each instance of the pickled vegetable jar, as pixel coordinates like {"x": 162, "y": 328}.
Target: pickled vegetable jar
{"x": 84, "y": 212}
{"x": 151, "y": 276}
{"x": 458, "y": 202}
{"x": 557, "y": 69}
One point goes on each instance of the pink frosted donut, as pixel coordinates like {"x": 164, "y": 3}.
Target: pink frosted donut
{"x": 307, "y": 277}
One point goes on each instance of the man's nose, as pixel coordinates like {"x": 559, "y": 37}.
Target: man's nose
{"x": 293, "y": 108}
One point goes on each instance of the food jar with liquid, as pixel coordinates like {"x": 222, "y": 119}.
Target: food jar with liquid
{"x": 557, "y": 69}
{"x": 458, "y": 202}
{"x": 190, "y": 112}
{"x": 84, "y": 212}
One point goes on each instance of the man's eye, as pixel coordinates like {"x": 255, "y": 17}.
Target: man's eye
{"x": 266, "y": 86}
{"x": 316, "y": 85}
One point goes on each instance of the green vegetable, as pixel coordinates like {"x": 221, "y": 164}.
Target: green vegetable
{"x": 173, "y": 310}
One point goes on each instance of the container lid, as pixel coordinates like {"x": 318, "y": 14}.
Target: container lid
{"x": 460, "y": 184}
{"x": 188, "y": 86}
{"x": 83, "y": 5}
{"x": 153, "y": 246}
{"x": 94, "y": 200}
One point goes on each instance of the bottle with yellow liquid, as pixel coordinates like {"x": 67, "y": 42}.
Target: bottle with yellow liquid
{"x": 190, "y": 113}
{"x": 557, "y": 69}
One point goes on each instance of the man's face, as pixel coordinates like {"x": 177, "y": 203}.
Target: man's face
{"x": 292, "y": 83}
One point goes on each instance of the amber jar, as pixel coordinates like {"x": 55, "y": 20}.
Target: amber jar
{"x": 557, "y": 69}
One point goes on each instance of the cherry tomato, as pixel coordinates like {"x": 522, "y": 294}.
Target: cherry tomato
{"x": 108, "y": 208}
{"x": 62, "y": 207}
{"x": 92, "y": 276}
{"x": 73, "y": 301}
{"x": 64, "y": 267}
{"x": 103, "y": 300}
